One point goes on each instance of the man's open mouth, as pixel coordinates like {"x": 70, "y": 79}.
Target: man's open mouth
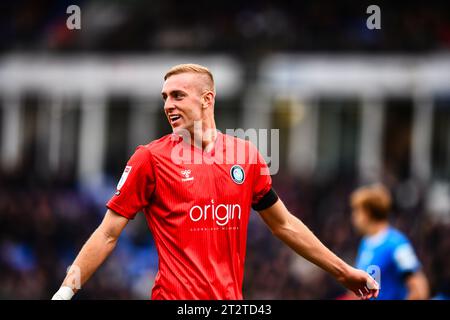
{"x": 174, "y": 118}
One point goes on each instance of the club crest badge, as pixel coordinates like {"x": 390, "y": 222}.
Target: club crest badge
{"x": 237, "y": 174}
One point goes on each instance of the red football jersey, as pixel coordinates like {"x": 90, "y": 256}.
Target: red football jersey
{"x": 197, "y": 206}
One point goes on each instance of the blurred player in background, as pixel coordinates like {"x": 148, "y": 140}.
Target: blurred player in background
{"x": 384, "y": 249}
{"x": 198, "y": 212}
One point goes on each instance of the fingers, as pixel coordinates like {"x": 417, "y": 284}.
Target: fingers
{"x": 365, "y": 287}
{"x": 369, "y": 295}
{"x": 371, "y": 283}
{"x": 366, "y": 296}
{"x": 372, "y": 288}
{"x": 362, "y": 295}
{"x": 375, "y": 295}
{"x": 365, "y": 293}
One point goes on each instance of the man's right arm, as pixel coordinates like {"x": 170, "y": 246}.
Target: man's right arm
{"x": 296, "y": 235}
{"x": 93, "y": 253}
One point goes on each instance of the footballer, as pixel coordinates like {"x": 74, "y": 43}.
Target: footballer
{"x": 384, "y": 250}
{"x": 198, "y": 211}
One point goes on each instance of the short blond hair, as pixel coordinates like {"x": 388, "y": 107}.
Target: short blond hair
{"x": 375, "y": 199}
{"x": 191, "y": 68}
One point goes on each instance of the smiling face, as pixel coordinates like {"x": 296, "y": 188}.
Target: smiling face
{"x": 186, "y": 99}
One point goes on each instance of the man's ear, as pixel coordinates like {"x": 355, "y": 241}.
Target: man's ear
{"x": 207, "y": 99}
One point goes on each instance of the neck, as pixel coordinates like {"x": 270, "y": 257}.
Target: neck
{"x": 205, "y": 134}
{"x": 376, "y": 227}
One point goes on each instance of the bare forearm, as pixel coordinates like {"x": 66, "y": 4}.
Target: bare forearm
{"x": 413, "y": 295}
{"x": 418, "y": 288}
{"x": 298, "y": 236}
{"x": 417, "y": 294}
{"x": 93, "y": 253}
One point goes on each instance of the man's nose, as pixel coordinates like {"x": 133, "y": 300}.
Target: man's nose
{"x": 168, "y": 106}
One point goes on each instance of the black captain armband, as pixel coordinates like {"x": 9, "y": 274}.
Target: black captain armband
{"x": 267, "y": 201}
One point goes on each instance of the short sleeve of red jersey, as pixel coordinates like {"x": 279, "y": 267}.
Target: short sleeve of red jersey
{"x": 135, "y": 186}
{"x": 262, "y": 182}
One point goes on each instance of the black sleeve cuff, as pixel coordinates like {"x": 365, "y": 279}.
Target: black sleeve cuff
{"x": 267, "y": 201}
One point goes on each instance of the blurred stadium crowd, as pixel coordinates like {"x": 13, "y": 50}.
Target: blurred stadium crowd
{"x": 248, "y": 28}
{"x": 43, "y": 226}
{"x": 44, "y": 220}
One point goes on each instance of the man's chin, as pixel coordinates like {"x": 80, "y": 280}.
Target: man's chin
{"x": 180, "y": 130}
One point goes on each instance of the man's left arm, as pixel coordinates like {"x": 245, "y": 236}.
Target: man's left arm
{"x": 417, "y": 286}
{"x": 408, "y": 264}
{"x": 297, "y": 236}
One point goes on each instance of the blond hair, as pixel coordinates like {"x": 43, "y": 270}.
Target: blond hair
{"x": 375, "y": 199}
{"x": 191, "y": 68}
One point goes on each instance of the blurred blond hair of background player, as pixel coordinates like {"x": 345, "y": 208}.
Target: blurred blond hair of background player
{"x": 385, "y": 249}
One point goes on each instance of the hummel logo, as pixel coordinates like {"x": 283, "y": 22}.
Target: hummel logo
{"x": 186, "y": 174}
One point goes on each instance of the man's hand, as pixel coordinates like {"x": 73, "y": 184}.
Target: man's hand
{"x": 296, "y": 235}
{"x": 360, "y": 283}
